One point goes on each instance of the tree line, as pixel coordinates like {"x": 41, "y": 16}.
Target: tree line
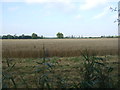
{"x": 33, "y": 36}
{"x": 58, "y": 35}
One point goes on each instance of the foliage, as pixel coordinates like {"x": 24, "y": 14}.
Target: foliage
{"x": 34, "y": 36}
{"x": 96, "y": 72}
{"x": 46, "y": 75}
{"x": 8, "y": 77}
{"x": 59, "y": 35}
{"x": 115, "y": 9}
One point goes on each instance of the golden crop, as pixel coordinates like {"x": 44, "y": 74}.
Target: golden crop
{"x": 27, "y": 48}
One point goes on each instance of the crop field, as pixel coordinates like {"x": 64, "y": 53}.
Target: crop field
{"x": 60, "y": 63}
{"x": 57, "y": 47}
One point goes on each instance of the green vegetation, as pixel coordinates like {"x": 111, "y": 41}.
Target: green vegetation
{"x": 34, "y": 36}
{"x": 85, "y": 72}
{"x": 59, "y": 35}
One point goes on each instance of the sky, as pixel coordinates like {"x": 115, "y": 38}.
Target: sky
{"x": 48, "y": 17}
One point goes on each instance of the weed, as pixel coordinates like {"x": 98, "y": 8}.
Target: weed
{"x": 96, "y": 73}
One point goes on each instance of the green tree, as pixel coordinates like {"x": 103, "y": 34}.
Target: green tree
{"x": 4, "y": 37}
{"x": 34, "y": 36}
{"x": 23, "y": 36}
{"x": 15, "y": 36}
{"x": 59, "y": 35}
{"x": 10, "y": 36}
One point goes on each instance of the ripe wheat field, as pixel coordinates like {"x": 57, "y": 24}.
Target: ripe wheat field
{"x": 57, "y": 47}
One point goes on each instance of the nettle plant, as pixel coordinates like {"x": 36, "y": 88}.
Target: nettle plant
{"x": 97, "y": 73}
{"x": 46, "y": 74}
{"x": 9, "y": 78}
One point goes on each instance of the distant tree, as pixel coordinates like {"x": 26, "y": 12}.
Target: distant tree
{"x": 59, "y": 35}
{"x": 102, "y": 36}
{"x": 23, "y": 36}
{"x": 67, "y": 37}
{"x": 72, "y": 36}
{"x": 34, "y": 36}
{"x": 4, "y": 37}
{"x": 20, "y": 37}
{"x": 27, "y": 37}
{"x": 41, "y": 37}
{"x": 10, "y": 36}
{"x": 15, "y": 36}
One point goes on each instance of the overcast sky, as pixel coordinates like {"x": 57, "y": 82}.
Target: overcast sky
{"x": 47, "y": 17}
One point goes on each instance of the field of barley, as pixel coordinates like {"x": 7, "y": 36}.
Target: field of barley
{"x": 57, "y": 47}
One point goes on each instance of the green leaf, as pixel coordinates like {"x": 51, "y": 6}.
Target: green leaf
{"x": 100, "y": 63}
{"x": 10, "y": 68}
{"x": 110, "y": 69}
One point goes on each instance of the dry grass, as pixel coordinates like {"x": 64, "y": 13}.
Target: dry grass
{"x": 57, "y": 47}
